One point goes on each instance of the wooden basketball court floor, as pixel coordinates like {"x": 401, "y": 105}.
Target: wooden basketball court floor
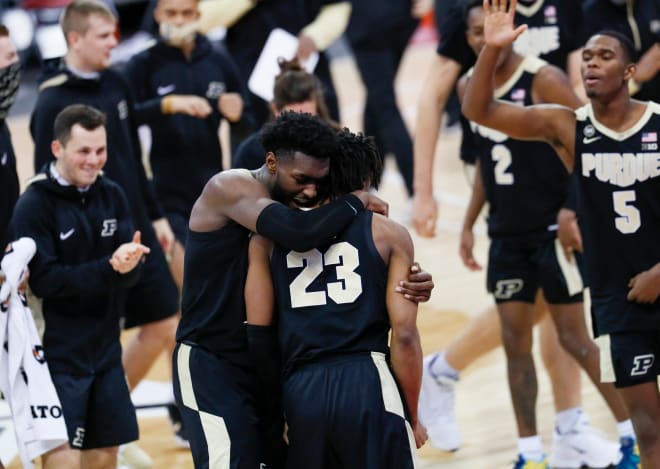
{"x": 483, "y": 408}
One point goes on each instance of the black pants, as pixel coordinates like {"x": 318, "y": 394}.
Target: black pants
{"x": 378, "y": 64}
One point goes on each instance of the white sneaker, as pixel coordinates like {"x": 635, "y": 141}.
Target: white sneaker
{"x": 582, "y": 446}
{"x": 132, "y": 456}
{"x": 436, "y": 408}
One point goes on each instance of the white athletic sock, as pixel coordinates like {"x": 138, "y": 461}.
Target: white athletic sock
{"x": 439, "y": 366}
{"x": 566, "y": 420}
{"x": 625, "y": 429}
{"x": 531, "y": 448}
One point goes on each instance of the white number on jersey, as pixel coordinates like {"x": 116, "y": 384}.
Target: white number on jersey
{"x": 502, "y": 157}
{"x": 347, "y": 289}
{"x": 629, "y": 221}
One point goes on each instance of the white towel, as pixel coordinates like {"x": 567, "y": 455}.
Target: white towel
{"x": 14, "y": 264}
{"x": 24, "y": 376}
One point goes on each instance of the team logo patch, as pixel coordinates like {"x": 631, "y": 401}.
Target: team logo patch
{"x": 641, "y": 364}
{"x": 38, "y": 354}
{"x": 215, "y": 89}
{"x": 505, "y": 289}
{"x": 649, "y": 141}
{"x": 589, "y": 131}
{"x": 109, "y": 227}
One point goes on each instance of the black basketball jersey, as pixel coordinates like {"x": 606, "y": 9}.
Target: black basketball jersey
{"x": 213, "y": 305}
{"x": 619, "y": 214}
{"x": 331, "y": 300}
{"x": 525, "y": 182}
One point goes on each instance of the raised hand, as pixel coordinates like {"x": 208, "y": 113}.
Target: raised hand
{"x": 499, "y": 29}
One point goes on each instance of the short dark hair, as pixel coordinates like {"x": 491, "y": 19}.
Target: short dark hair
{"x": 87, "y": 117}
{"x": 624, "y": 41}
{"x": 4, "y": 32}
{"x": 298, "y": 131}
{"x": 357, "y": 163}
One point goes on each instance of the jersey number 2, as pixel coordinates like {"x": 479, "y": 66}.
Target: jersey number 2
{"x": 502, "y": 158}
{"x": 629, "y": 220}
{"x": 344, "y": 257}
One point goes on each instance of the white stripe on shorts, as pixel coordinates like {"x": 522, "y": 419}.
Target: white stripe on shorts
{"x": 185, "y": 379}
{"x": 213, "y": 427}
{"x": 569, "y": 270}
{"x": 217, "y": 440}
{"x": 392, "y": 399}
{"x": 607, "y": 374}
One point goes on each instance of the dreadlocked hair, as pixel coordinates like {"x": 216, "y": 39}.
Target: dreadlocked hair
{"x": 357, "y": 163}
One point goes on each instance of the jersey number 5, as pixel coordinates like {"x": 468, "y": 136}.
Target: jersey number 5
{"x": 629, "y": 221}
{"x": 345, "y": 259}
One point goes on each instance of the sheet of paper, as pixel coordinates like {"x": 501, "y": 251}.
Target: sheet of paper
{"x": 279, "y": 44}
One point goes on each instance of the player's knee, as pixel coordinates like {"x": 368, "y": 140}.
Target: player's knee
{"x": 515, "y": 344}
{"x": 162, "y": 331}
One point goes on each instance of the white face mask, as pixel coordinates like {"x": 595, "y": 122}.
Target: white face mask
{"x": 178, "y": 36}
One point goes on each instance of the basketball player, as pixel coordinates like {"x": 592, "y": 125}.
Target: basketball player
{"x": 612, "y": 145}
{"x": 335, "y": 307}
{"x": 211, "y": 358}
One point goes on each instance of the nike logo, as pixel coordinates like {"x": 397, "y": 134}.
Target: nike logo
{"x": 67, "y": 235}
{"x": 161, "y": 90}
{"x": 587, "y": 141}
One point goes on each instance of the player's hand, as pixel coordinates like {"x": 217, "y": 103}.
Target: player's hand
{"x": 164, "y": 234}
{"x": 499, "y": 28}
{"x": 425, "y": 215}
{"x": 465, "y": 250}
{"x": 421, "y": 8}
{"x": 230, "y": 105}
{"x": 190, "y": 105}
{"x": 372, "y": 202}
{"x": 421, "y": 436}
{"x": 645, "y": 286}
{"x": 419, "y": 285}
{"x": 127, "y": 256}
{"x": 568, "y": 232}
{"x": 306, "y": 47}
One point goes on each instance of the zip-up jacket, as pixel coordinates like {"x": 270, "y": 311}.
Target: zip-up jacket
{"x": 82, "y": 296}
{"x": 110, "y": 94}
{"x": 185, "y": 150}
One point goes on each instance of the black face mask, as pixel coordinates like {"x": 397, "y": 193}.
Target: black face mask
{"x": 9, "y": 80}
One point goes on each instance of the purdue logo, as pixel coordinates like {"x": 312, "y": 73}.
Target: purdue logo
{"x": 505, "y": 289}
{"x": 215, "y": 89}
{"x": 641, "y": 364}
{"x": 109, "y": 227}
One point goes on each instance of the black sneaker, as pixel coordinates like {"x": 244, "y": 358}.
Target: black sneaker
{"x": 180, "y": 434}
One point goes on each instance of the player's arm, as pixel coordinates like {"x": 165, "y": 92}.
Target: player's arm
{"x": 476, "y": 204}
{"x": 432, "y": 101}
{"x": 259, "y": 294}
{"x": 239, "y": 197}
{"x": 329, "y": 24}
{"x": 259, "y": 308}
{"x": 222, "y": 13}
{"x": 405, "y": 347}
{"x": 549, "y": 123}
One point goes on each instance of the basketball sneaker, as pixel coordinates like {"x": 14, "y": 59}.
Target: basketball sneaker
{"x": 629, "y": 454}
{"x": 522, "y": 463}
{"x": 437, "y": 408}
{"x": 131, "y": 456}
{"x": 582, "y": 446}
